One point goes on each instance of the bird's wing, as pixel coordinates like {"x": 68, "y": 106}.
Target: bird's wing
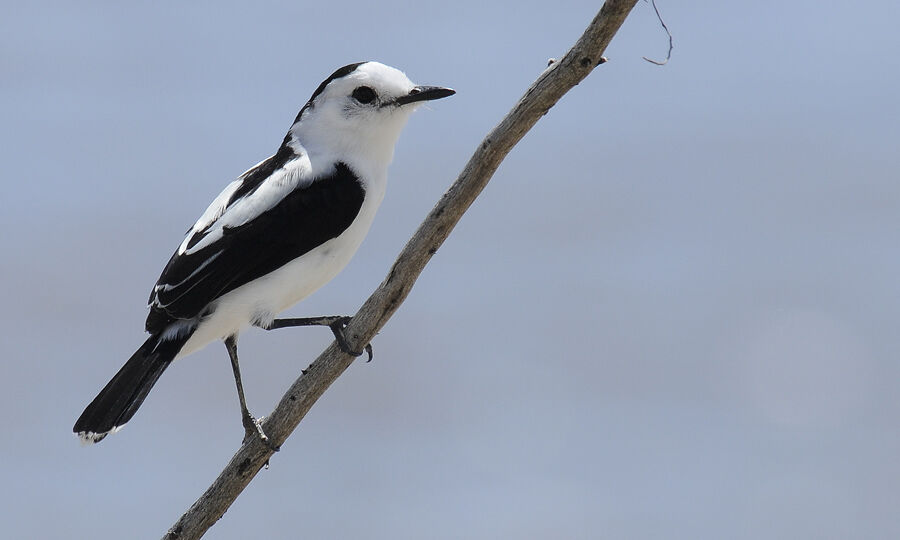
{"x": 249, "y": 231}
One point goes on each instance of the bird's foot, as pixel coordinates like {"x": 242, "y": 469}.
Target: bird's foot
{"x": 336, "y": 323}
{"x": 337, "y": 328}
{"x": 253, "y": 430}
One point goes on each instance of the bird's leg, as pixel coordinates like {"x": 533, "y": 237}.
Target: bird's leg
{"x": 252, "y": 426}
{"x": 336, "y": 323}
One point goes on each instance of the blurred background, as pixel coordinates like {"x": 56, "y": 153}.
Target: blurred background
{"x": 672, "y": 313}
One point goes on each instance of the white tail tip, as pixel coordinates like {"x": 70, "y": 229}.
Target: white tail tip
{"x": 89, "y": 437}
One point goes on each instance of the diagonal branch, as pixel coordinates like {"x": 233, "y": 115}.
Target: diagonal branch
{"x": 549, "y": 87}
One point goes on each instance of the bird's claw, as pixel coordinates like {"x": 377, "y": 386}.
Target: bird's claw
{"x": 253, "y": 430}
{"x": 337, "y": 328}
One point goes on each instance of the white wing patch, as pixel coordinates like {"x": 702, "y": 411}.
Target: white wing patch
{"x": 212, "y": 213}
{"x": 294, "y": 174}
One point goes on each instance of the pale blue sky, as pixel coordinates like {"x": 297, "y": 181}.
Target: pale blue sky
{"x": 672, "y": 314}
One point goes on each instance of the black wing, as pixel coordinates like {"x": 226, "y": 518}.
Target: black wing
{"x": 304, "y": 219}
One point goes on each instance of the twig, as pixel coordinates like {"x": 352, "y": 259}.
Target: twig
{"x": 549, "y": 87}
{"x": 666, "y": 28}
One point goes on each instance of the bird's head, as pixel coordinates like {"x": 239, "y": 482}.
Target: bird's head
{"x": 359, "y": 111}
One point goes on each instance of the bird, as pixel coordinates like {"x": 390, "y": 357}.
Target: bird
{"x": 272, "y": 237}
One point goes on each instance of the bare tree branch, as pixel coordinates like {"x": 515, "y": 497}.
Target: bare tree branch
{"x": 549, "y": 87}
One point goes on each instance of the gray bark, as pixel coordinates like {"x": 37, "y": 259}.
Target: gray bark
{"x": 559, "y": 77}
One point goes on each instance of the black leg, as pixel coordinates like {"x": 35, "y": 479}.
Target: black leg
{"x": 335, "y": 322}
{"x": 252, "y": 426}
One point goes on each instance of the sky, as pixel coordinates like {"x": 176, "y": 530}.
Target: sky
{"x": 671, "y": 314}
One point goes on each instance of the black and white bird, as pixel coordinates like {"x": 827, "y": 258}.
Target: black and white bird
{"x": 274, "y": 236}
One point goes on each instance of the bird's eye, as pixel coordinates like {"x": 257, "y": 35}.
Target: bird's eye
{"x": 364, "y": 94}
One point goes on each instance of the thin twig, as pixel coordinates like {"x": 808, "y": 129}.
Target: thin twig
{"x": 550, "y": 86}
{"x": 666, "y": 28}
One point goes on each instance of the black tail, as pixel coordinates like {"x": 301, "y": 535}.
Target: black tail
{"x": 121, "y": 397}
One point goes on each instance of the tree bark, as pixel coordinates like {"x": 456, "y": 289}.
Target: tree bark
{"x": 559, "y": 77}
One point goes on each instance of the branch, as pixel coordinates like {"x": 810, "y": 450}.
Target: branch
{"x": 549, "y": 87}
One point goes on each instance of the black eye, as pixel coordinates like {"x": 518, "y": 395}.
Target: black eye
{"x": 364, "y": 94}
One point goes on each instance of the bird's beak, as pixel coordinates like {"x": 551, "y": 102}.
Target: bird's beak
{"x": 424, "y": 93}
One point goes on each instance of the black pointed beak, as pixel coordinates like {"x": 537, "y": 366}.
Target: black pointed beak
{"x": 424, "y": 93}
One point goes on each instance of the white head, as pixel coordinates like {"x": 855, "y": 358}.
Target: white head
{"x": 359, "y": 111}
